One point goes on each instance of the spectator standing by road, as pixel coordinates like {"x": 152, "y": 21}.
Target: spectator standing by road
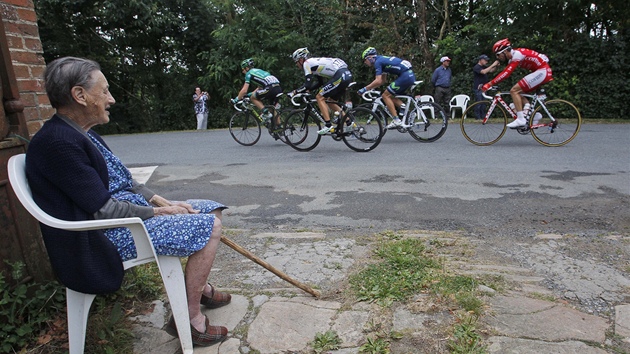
{"x": 201, "y": 108}
{"x": 441, "y": 80}
{"x": 480, "y": 77}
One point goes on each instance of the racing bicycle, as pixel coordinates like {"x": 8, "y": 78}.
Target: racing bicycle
{"x": 359, "y": 128}
{"x": 245, "y": 124}
{"x": 424, "y": 121}
{"x": 552, "y": 123}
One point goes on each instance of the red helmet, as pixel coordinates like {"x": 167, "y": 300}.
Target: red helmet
{"x": 501, "y": 46}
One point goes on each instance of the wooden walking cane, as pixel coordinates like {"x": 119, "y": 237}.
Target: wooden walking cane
{"x": 160, "y": 201}
{"x": 269, "y": 267}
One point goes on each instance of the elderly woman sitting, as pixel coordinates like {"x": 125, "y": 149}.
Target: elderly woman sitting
{"x": 74, "y": 176}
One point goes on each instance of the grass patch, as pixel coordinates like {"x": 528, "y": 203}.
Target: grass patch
{"x": 403, "y": 270}
{"x": 466, "y": 339}
{"x": 325, "y": 342}
{"x": 459, "y": 289}
{"x": 375, "y": 346}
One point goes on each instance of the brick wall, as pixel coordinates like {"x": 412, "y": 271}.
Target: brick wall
{"x": 20, "y": 24}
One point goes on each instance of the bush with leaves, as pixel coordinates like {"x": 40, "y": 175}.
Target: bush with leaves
{"x": 25, "y": 308}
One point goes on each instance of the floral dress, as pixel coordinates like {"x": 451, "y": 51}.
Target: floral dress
{"x": 172, "y": 235}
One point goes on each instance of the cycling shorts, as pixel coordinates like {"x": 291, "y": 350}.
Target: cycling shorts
{"x": 402, "y": 83}
{"x": 535, "y": 79}
{"x": 268, "y": 94}
{"x": 336, "y": 87}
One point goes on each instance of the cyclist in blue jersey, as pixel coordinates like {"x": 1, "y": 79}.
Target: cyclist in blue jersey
{"x": 384, "y": 65}
{"x": 267, "y": 88}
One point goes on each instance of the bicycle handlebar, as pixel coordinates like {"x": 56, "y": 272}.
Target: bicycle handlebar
{"x": 371, "y": 95}
{"x": 304, "y": 96}
{"x": 241, "y": 105}
{"x": 493, "y": 88}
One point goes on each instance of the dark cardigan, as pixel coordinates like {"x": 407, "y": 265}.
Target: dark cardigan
{"x": 68, "y": 177}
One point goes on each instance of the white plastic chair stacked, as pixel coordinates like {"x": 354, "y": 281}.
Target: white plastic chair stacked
{"x": 459, "y": 102}
{"x": 427, "y": 98}
{"x": 79, "y": 303}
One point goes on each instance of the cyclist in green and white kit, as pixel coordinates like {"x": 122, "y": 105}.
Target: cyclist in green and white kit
{"x": 268, "y": 88}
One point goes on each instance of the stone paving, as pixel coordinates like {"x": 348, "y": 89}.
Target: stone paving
{"x": 531, "y": 317}
{"x": 285, "y": 320}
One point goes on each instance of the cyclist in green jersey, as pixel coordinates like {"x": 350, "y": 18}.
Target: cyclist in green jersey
{"x": 267, "y": 88}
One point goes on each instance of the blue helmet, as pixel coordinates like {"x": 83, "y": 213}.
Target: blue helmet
{"x": 369, "y": 51}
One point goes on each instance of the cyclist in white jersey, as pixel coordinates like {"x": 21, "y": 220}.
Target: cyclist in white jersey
{"x": 329, "y": 76}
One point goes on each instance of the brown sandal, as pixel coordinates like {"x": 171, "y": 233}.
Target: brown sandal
{"x": 212, "y": 334}
{"x": 216, "y": 300}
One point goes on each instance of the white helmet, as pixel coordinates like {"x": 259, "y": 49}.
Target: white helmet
{"x": 300, "y": 53}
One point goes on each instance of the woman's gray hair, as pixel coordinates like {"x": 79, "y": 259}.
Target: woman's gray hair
{"x": 63, "y": 74}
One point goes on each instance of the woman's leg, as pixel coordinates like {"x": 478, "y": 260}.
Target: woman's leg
{"x": 197, "y": 272}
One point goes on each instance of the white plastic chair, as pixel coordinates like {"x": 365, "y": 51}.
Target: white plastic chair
{"x": 427, "y": 98}
{"x": 459, "y": 102}
{"x": 79, "y": 303}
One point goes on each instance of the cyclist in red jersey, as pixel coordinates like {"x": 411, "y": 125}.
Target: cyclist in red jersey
{"x": 527, "y": 59}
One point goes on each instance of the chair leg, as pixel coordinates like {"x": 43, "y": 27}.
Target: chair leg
{"x": 173, "y": 277}
{"x": 78, "y": 310}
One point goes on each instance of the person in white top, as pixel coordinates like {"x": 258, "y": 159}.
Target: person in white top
{"x": 329, "y": 77}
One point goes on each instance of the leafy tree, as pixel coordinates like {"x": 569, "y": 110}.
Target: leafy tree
{"x": 154, "y": 52}
{"x": 147, "y": 49}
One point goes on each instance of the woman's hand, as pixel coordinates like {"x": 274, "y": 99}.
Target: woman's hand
{"x": 169, "y": 210}
{"x": 187, "y": 206}
{"x": 166, "y": 207}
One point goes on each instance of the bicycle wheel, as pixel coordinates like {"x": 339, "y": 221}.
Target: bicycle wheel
{"x": 365, "y": 131}
{"x": 565, "y": 126}
{"x": 480, "y": 131}
{"x": 284, "y": 113}
{"x": 300, "y": 130}
{"x": 431, "y": 124}
{"x": 245, "y": 128}
{"x": 380, "y": 113}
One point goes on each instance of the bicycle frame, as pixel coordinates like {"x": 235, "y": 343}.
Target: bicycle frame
{"x": 311, "y": 106}
{"x": 247, "y": 105}
{"x": 534, "y": 99}
{"x": 551, "y": 122}
{"x": 376, "y": 98}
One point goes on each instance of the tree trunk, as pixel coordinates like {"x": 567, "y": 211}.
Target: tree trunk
{"x": 446, "y": 25}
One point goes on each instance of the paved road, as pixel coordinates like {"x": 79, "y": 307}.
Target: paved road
{"x": 449, "y": 184}
{"x": 558, "y": 216}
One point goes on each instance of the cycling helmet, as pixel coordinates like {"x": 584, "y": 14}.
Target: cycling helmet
{"x": 247, "y": 63}
{"x": 300, "y": 53}
{"x": 369, "y": 51}
{"x": 501, "y": 45}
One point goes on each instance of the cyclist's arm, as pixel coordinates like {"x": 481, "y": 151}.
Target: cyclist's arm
{"x": 311, "y": 83}
{"x": 504, "y": 74}
{"x": 378, "y": 81}
{"x": 243, "y": 91}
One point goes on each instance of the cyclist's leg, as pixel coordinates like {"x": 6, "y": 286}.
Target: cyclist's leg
{"x": 257, "y": 97}
{"x": 398, "y": 87}
{"x": 390, "y": 102}
{"x": 332, "y": 89}
{"x": 272, "y": 98}
{"x": 527, "y": 84}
